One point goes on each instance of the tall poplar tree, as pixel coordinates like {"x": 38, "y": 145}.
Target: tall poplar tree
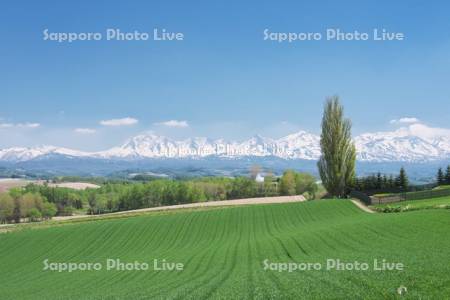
{"x": 337, "y": 162}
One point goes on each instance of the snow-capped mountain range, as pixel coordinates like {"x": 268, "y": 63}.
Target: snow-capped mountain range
{"x": 402, "y": 145}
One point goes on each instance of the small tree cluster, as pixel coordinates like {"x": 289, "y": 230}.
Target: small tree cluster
{"x": 443, "y": 178}
{"x": 293, "y": 183}
{"x": 382, "y": 182}
{"x": 15, "y": 206}
{"x": 375, "y": 182}
{"x": 65, "y": 200}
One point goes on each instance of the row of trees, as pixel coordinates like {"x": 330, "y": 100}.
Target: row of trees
{"x": 16, "y": 206}
{"x": 36, "y": 202}
{"x": 120, "y": 197}
{"x": 383, "y": 182}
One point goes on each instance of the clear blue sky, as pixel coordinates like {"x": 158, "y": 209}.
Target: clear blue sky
{"x": 223, "y": 79}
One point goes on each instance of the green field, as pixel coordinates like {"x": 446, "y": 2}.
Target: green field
{"x": 442, "y": 187}
{"x": 419, "y": 204}
{"x": 223, "y": 252}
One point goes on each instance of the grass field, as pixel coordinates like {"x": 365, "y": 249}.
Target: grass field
{"x": 223, "y": 250}
{"x": 420, "y": 204}
{"x": 442, "y": 187}
{"x": 9, "y": 183}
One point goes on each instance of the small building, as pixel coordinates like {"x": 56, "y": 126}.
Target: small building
{"x": 259, "y": 178}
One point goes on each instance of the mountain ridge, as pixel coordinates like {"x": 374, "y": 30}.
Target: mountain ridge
{"x": 400, "y": 145}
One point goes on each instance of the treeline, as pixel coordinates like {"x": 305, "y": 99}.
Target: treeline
{"x": 39, "y": 202}
{"x": 441, "y": 178}
{"x": 382, "y": 182}
{"x": 163, "y": 192}
{"x": 36, "y": 202}
{"x": 93, "y": 180}
{"x": 400, "y": 183}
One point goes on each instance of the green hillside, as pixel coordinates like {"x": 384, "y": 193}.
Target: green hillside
{"x": 223, "y": 251}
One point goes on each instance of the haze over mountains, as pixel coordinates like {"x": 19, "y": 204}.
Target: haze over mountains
{"x": 407, "y": 144}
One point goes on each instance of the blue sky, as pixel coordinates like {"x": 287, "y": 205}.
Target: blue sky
{"x": 223, "y": 79}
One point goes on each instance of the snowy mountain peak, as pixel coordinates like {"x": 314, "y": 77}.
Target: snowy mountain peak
{"x": 414, "y": 143}
{"x": 26, "y": 153}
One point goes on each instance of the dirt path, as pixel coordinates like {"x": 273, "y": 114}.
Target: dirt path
{"x": 248, "y": 201}
{"x": 362, "y": 206}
